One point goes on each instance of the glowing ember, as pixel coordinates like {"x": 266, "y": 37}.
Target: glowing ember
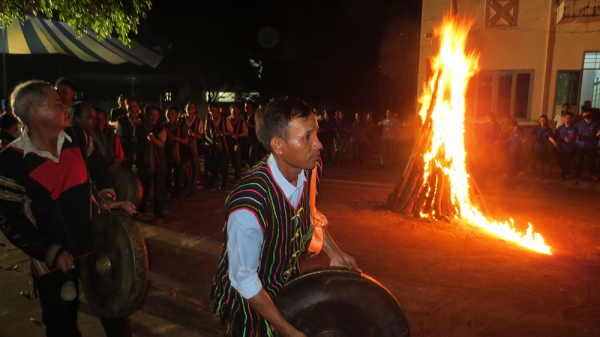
{"x": 446, "y": 150}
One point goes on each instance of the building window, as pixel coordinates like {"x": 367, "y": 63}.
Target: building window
{"x": 168, "y": 97}
{"x": 501, "y": 13}
{"x": 567, "y": 88}
{"x": 503, "y": 93}
{"x": 591, "y": 60}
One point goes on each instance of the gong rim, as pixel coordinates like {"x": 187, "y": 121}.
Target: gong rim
{"x": 128, "y": 186}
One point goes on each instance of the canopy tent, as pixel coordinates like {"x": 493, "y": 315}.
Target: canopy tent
{"x": 42, "y": 36}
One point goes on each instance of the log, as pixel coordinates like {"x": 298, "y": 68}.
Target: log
{"x": 437, "y": 202}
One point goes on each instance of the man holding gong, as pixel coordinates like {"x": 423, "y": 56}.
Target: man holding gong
{"x": 268, "y": 223}
{"x": 46, "y": 201}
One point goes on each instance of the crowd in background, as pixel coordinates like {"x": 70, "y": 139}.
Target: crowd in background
{"x": 166, "y": 148}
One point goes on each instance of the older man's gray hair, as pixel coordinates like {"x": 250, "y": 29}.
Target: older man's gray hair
{"x": 27, "y": 95}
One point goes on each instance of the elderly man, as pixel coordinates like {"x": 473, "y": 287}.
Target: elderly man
{"x": 267, "y": 219}
{"x": 45, "y": 202}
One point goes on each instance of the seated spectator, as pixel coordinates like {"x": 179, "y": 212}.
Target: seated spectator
{"x": 9, "y": 126}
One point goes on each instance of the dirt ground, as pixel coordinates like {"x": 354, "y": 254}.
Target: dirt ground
{"x": 451, "y": 279}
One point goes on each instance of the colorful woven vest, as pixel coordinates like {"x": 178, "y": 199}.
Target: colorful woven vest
{"x": 285, "y": 229}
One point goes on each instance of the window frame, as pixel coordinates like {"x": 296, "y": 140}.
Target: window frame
{"x": 480, "y": 113}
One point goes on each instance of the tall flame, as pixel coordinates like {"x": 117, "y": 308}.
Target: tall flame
{"x": 447, "y": 150}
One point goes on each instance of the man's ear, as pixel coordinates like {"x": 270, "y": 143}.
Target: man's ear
{"x": 277, "y": 145}
{"x": 33, "y": 112}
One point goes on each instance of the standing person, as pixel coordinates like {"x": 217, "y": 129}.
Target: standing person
{"x": 565, "y": 142}
{"x": 515, "y": 140}
{"x": 344, "y": 131}
{"x": 588, "y": 131}
{"x": 9, "y": 126}
{"x": 255, "y": 145}
{"x": 67, "y": 89}
{"x": 389, "y": 138}
{"x": 194, "y": 128}
{"x": 371, "y": 132}
{"x": 119, "y": 111}
{"x": 218, "y": 131}
{"x": 542, "y": 134}
{"x": 126, "y": 126}
{"x": 358, "y": 139}
{"x": 152, "y": 169}
{"x": 559, "y": 119}
{"x": 46, "y": 202}
{"x": 176, "y": 140}
{"x": 326, "y": 136}
{"x": 113, "y": 154}
{"x": 240, "y": 137}
{"x": 266, "y": 216}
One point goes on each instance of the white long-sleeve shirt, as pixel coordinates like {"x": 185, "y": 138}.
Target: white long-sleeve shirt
{"x": 245, "y": 237}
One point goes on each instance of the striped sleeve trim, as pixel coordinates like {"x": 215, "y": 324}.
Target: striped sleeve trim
{"x": 52, "y": 254}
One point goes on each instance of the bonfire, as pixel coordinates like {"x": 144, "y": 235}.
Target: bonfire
{"x": 436, "y": 184}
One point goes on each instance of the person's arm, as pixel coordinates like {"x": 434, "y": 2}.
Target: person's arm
{"x": 244, "y": 130}
{"x": 336, "y": 255}
{"x": 244, "y": 243}
{"x": 200, "y": 134}
{"x": 228, "y": 128}
{"x": 159, "y": 140}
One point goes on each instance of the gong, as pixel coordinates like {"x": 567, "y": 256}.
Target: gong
{"x": 341, "y": 303}
{"x": 128, "y": 186}
{"x": 115, "y": 274}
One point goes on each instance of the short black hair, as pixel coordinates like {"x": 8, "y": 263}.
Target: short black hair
{"x": 131, "y": 99}
{"x": 513, "y": 122}
{"x": 235, "y": 105}
{"x": 187, "y": 105}
{"x": 8, "y": 121}
{"x": 543, "y": 116}
{"x": 67, "y": 82}
{"x": 250, "y": 102}
{"x": 274, "y": 120}
{"x": 214, "y": 105}
{"x": 569, "y": 114}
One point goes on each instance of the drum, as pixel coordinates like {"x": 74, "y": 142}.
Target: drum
{"x": 341, "y": 303}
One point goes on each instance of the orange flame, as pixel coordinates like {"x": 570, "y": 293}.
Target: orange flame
{"x": 447, "y": 151}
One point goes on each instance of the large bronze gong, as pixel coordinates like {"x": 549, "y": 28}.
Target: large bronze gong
{"x": 115, "y": 274}
{"x": 341, "y": 303}
{"x": 128, "y": 186}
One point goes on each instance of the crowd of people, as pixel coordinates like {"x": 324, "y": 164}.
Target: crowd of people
{"x": 573, "y": 141}
{"x": 166, "y": 148}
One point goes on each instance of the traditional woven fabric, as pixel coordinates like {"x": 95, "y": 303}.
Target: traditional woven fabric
{"x": 285, "y": 234}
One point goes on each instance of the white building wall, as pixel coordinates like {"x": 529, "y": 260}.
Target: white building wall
{"x": 523, "y": 47}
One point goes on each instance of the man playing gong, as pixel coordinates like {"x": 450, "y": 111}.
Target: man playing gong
{"x": 268, "y": 223}
{"x": 46, "y": 201}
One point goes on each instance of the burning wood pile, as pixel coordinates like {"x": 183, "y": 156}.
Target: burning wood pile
{"x": 436, "y": 184}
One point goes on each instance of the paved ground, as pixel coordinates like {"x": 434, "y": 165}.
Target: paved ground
{"x": 451, "y": 279}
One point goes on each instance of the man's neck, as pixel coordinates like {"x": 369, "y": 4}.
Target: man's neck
{"x": 289, "y": 173}
{"x": 44, "y": 140}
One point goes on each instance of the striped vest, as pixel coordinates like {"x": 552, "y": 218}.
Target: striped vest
{"x": 285, "y": 229}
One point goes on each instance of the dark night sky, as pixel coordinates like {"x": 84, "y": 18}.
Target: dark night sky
{"x": 356, "y": 55}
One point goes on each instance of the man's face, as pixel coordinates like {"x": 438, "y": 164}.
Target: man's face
{"x": 249, "y": 108}
{"x": 122, "y": 104}
{"x": 565, "y": 108}
{"x": 587, "y": 115}
{"x": 543, "y": 122}
{"x": 173, "y": 116}
{"x": 133, "y": 108}
{"x": 191, "y": 109}
{"x": 153, "y": 116}
{"x": 388, "y": 114}
{"x": 568, "y": 119}
{"x": 303, "y": 148}
{"x": 235, "y": 112}
{"x": 357, "y": 117}
{"x": 327, "y": 117}
{"x": 341, "y": 115}
{"x": 90, "y": 118}
{"x": 53, "y": 113}
{"x": 214, "y": 112}
{"x": 67, "y": 95}
{"x": 101, "y": 119}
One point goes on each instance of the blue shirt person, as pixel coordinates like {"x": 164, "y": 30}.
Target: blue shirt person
{"x": 565, "y": 142}
{"x": 587, "y": 142}
{"x": 490, "y": 131}
{"x": 542, "y": 135}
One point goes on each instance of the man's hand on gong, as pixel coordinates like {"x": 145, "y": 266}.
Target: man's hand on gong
{"x": 126, "y": 205}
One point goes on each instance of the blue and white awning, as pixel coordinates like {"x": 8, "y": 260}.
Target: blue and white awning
{"x": 41, "y": 36}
